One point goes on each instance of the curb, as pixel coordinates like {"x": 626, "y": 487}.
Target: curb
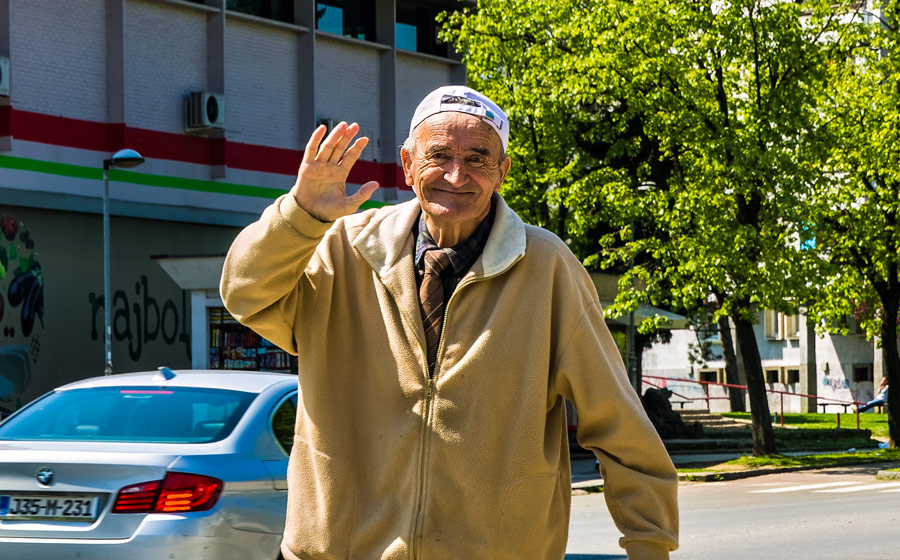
{"x": 737, "y": 475}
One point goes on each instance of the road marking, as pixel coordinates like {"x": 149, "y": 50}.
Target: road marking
{"x": 864, "y": 487}
{"x": 801, "y": 488}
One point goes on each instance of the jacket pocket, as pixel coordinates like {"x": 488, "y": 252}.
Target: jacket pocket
{"x": 321, "y": 504}
{"x": 533, "y": 523}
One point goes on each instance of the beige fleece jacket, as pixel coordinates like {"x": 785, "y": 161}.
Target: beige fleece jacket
{"x": 474, "y": 463}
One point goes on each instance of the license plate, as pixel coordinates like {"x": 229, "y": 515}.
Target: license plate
{"x": 48, "y": 508}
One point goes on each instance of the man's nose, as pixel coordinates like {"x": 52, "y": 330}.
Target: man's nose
{"x": 455, "y": 172}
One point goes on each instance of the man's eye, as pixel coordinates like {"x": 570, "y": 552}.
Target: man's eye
{"x": 476, "y": 161}
{"x": 439, "y": 158}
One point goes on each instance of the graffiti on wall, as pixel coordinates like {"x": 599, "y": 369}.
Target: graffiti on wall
{"x": 836, "y": 383}
{"x": 142, "y": 319}
{"x": 21, "y": 311}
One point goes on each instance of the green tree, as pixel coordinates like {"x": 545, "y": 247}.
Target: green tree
{"x": 858, "y": 202}
{"x": 680, "y": 136}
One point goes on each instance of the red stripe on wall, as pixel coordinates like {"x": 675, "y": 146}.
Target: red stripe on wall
{"x": 200, "y": 150}
{"x": 252, "y": 157}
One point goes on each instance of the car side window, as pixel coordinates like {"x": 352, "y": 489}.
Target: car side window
{"x": 283, "y": 423}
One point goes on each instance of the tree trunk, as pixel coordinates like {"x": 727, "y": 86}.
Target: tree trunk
{"x": 761, "y": 426}
{"x": 735, "y": 396}
{"x": 891, "y": 361}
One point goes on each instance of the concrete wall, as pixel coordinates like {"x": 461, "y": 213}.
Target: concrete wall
{"x": 261, "y": 78}
{"x": 64, "y": 341}
{"x": 82, "y": 69}
{"x": 59, "y": 54}
{"x": 165, "y": 59}
{"x": 350, "y": 96}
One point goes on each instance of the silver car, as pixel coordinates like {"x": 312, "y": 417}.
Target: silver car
{"x": 183, "y": 464}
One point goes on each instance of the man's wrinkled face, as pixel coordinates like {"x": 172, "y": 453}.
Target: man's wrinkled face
{"x": 457, "y": 164}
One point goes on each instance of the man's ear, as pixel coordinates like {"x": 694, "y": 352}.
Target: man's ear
{"x": 504, "y": 169}
{"x": 406, "y": 161}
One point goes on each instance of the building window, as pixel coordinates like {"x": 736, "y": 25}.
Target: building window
{"x": 711, "y": 375}
{"x": 862, "y": 372}
{"x": 772, "y": 325}
{"x": 405, "y": 36}
{"x": 773, "y": 375}
{"x": 779, "y": 326}
{"x": 791, "y": 376}
{"x": 281, "y": 10}
{"x": 234, "y": 346}
{"x": 350, "y": 18}
{"x": 792, "y": 326}
{"x": 416, "y": 28}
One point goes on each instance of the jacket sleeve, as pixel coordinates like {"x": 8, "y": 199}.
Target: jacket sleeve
{"x": 640, "y": 483}
{"x": 263, "y": 272}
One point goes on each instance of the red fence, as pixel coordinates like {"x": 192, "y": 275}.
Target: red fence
{"x": 662, "y": 381}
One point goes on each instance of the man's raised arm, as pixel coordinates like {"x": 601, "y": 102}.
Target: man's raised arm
{"x": 261, "y": 277}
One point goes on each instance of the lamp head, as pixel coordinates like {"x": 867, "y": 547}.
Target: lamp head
{"x": 124, "y": 159}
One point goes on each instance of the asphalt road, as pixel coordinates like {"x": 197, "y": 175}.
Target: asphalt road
{"x": 833, "y": 514}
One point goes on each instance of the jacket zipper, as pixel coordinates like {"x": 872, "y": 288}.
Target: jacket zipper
{"x": 429, "y": 393}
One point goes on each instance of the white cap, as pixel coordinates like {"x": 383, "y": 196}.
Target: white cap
{"x": 462, "y": 99}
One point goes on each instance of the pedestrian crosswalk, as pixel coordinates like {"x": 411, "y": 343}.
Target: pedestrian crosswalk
{"x": 864, "y": 487}
{"x": 835, "y": 487}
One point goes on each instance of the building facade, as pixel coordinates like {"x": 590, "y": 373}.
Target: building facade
{"x": 796, "y": 361}
{"x": 219, "y": 97}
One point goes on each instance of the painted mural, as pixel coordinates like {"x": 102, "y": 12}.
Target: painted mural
{"x": 21, "y": 310}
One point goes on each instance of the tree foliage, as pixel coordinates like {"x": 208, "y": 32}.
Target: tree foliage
{"x": 676, "y": 141}
{"x": 857, "y": 204}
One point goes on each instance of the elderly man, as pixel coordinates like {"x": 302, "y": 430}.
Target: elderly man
{"x": 437, "y": 340}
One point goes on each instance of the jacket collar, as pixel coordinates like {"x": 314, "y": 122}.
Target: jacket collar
{"x": 386, "y": 241}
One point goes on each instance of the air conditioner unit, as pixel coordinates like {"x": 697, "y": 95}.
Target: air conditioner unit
{"x": 205, "y": 110}
{"x": 4, "y": 76}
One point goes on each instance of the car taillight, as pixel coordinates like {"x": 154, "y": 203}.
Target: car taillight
{"x": 178, "y": 492}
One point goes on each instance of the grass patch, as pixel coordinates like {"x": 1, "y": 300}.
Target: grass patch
{"x": 876, "y": 423}
{"x": 812, "y": 439}
{"x": 823, "y": 460}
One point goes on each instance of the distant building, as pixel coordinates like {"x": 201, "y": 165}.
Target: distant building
{"x": 219, "y": 97}
{"x": 794, "y": 360}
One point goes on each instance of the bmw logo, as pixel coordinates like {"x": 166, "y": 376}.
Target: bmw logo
{"x": 45, "y": 476}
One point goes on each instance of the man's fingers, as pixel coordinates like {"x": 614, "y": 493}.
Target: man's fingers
{"x": 331, "y": 142}
{"x": 354, "y": 152}
{"x": 363, "y": 194}
{"x": 343, "y": 142}
{"x": 312, "y": 146}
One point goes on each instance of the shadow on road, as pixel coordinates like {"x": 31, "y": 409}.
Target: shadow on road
{"x": 596, "y": 557}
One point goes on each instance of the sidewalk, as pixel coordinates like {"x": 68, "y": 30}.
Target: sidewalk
{"x": 586, "y": 479}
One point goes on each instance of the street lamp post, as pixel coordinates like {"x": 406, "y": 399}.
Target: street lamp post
{"x": 124, "y": 159}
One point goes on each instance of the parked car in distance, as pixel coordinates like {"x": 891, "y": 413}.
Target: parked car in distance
{"x": 152, "y": 465}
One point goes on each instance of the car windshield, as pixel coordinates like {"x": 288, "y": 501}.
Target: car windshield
{"x": 132, "y": 414}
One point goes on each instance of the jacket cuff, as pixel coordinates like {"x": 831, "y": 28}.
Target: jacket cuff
{"x": 646, "y": 550}
{"x": 300, "y": 219}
